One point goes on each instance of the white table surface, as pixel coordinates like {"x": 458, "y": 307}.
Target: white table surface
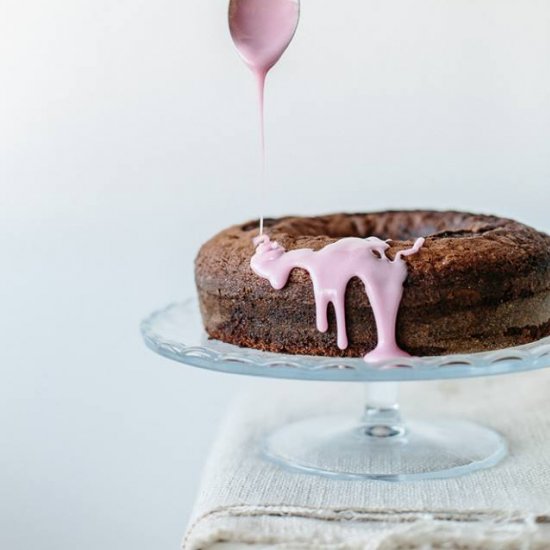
{"x": 127, "y": 131}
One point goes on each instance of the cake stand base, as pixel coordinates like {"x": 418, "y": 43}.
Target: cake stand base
{"x": 339, "y": 447}
{"x": 380, "y": 446}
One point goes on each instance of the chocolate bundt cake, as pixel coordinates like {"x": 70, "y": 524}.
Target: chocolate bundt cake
{"x": 478, "y": 283}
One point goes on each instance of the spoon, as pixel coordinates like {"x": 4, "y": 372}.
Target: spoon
{"x": 261, "y": 31}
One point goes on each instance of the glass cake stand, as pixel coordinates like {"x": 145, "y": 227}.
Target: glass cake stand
{"x": 376, "y": 445}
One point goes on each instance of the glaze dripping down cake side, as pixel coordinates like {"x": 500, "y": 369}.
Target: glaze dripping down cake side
{"x": 478, "y": 283}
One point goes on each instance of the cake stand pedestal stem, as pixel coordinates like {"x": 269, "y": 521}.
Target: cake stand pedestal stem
{"x": 382, "y": 418}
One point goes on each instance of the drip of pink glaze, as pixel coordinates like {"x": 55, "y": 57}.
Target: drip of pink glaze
{"x": 262, "y": 31}
{"x": 331, "y": 269}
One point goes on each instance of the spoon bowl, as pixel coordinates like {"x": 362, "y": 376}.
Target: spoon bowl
{"x": 262, "y": 30}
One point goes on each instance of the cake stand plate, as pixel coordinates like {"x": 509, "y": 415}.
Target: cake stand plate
{"x": 378, "y": 445}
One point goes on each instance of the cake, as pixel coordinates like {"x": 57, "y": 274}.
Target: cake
{"x": 478, "y": 283}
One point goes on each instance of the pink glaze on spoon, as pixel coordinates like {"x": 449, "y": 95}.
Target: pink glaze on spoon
{"x": 262, "y": 31}
{"x": 331, "y": 269}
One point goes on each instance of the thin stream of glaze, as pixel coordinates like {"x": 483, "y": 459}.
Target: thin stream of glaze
{"x": 260, "y": 80}
{"x": 331, "y": 269}
{"x": 262, "y": 31}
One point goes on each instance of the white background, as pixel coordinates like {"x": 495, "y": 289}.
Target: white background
{"x": 128, "y": 136}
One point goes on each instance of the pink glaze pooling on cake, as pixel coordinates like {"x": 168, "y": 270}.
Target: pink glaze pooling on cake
{"x": 331, "y": 269}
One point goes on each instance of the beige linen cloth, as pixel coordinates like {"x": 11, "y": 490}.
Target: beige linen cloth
{"x": 248, "y": 502}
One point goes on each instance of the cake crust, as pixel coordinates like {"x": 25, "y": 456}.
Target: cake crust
{"x": 479, "y": 282}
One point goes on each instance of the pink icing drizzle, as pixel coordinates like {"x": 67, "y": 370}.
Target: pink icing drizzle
{"x": 262, "y": 31}
{"x": 331, "y": 269}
